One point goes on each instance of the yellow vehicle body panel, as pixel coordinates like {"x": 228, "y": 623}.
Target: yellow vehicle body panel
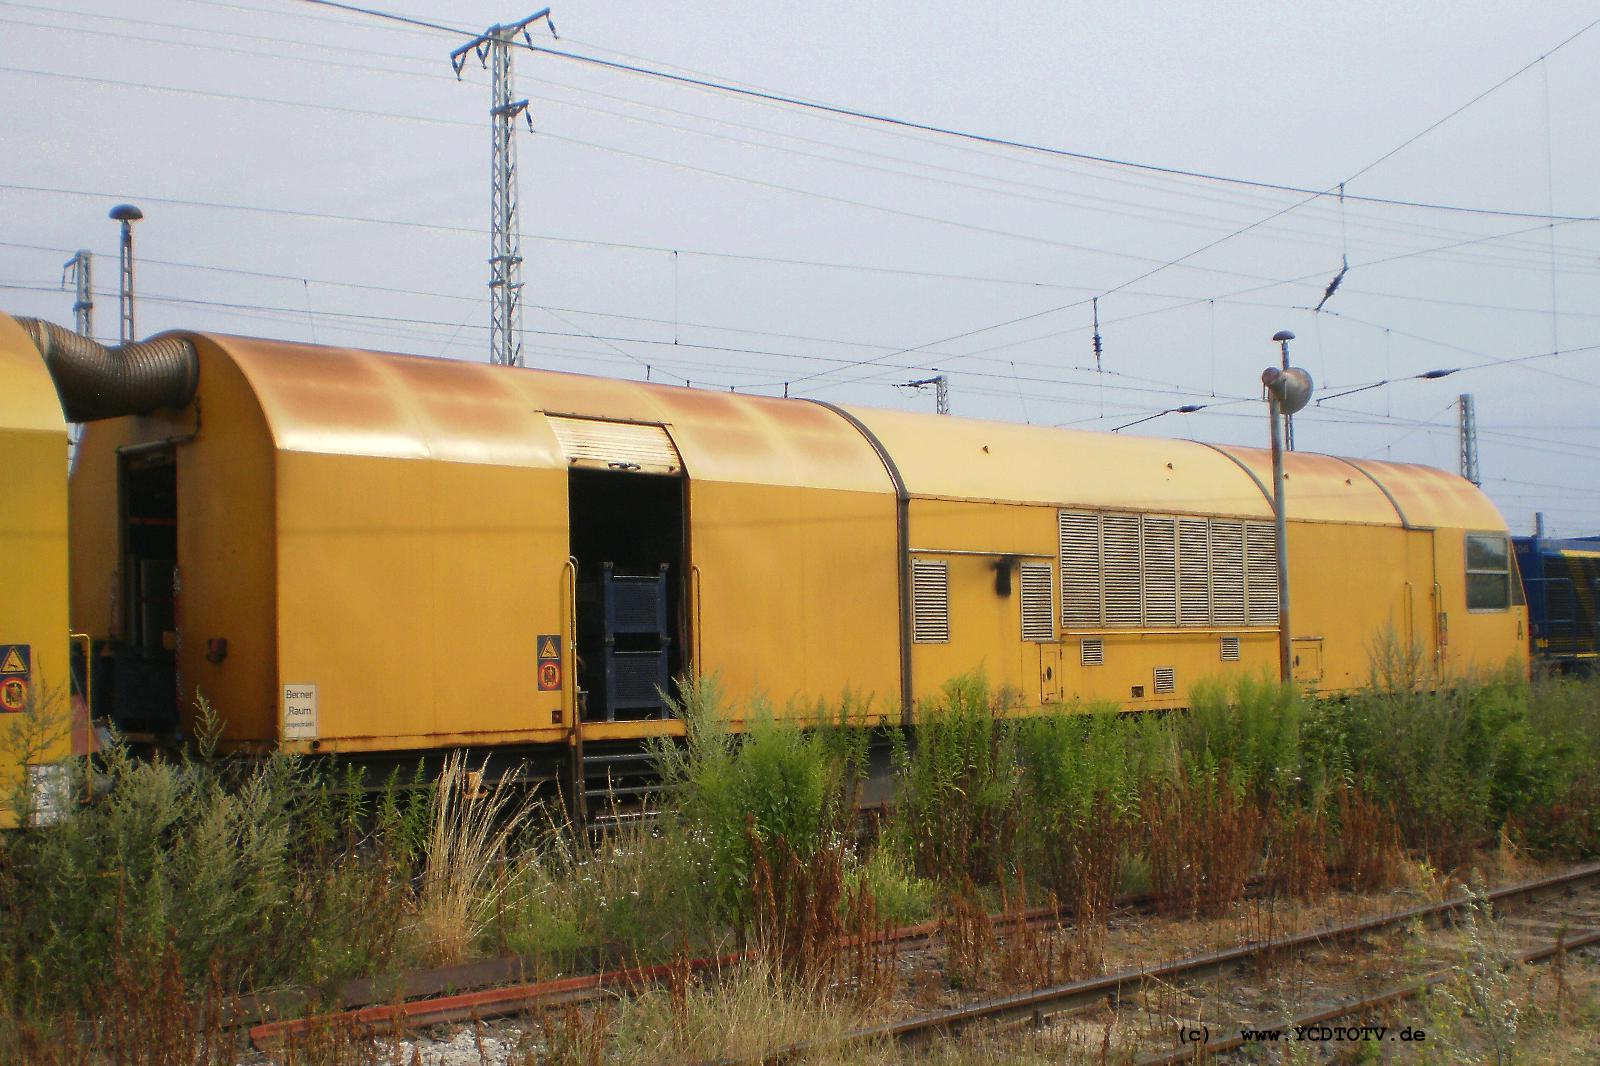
{"x": 796, "y": 595}
{"x": 394, "y": 532}
{"x": 33, "y": 569}
{"x": 985, "y": 627}
{"x": 1349, "y": 590}
{"x": 411, "y": 595}
{"x": 226, "y": 544}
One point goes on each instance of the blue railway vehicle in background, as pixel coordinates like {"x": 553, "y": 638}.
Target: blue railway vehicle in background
{"x": 1562, "y": 581}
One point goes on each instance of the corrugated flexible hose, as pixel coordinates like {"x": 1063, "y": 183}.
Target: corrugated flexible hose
{"x": 95, "y": 381}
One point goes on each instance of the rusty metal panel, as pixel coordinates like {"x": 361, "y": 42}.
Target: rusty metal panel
{"x": 347, "y": 401}
{"x": 1434, "y": 498}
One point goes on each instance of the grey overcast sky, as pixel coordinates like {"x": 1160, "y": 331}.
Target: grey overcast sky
{"x": 315, "y": 175}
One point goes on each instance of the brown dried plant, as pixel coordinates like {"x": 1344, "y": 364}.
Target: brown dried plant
{"x": 1366, "y": 852}
{"x": 1204, "y": 838}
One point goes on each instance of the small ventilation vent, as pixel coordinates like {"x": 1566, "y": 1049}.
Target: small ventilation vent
{"x": 1166, "y": 680}
{"x": 1229, "y": 649}
{"x": 1227, "y": 573}
{"x": 1124, "y": 596}
{"x": 930, "y": 602}
{"x": 1080, "y": 569}
{"x": 1261, "y": 565}
{"x": 1038, "y": 602}
{"x": 1093, "y": 652}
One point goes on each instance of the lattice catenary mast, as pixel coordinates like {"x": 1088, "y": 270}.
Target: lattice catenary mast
{"x": 941, "y": 391}
{"x": 493, "y": 49}
{"x": 81, "y": 269}
{"x": 1469, "y": 440}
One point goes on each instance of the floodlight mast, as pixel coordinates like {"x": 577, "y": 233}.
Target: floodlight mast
{"x": 127, "y": 215}
{"x": 1288, "y": 390}
{"x": 1283, "y": 337}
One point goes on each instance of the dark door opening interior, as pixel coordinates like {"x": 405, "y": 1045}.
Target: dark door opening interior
{"x": 627, "y": 535}
{"x": 137, "y": 668}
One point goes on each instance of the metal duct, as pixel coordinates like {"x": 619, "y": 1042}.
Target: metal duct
{"x": 95, "y": 381}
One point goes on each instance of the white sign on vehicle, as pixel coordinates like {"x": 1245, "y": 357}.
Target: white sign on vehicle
{"x": 51, "y": 785}
{"x": 300, "y": 712}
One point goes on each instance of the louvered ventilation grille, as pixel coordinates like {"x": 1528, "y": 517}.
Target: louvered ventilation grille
{"x": 1230, "y": 649}
{"x": 1160, "y": 571}
{"x": 1038, "y": 602}
{"x": 1166, "y": 680}
{"x": 1080, "y": 569}
{"x": 930, "y": 602}
{"x": 1194, "y": 572}
{"x": 1227, "y": 573}
{"x": 626, "y": 446}
{"x": 1092, "y": 652}
{"x": 1120, "y": 536}
{"x": 1261, "y": 564}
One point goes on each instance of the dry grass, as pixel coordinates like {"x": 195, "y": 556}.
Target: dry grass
{"x": 465, "y": 875}
{"x": 748, "y": 1013}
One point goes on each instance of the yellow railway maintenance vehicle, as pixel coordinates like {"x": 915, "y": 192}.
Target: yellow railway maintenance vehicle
{"x": 381, "y": 555}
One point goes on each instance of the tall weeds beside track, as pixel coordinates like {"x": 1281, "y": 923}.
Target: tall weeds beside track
{"x": 958, "y": 787}
{"x": 466, "y": 868}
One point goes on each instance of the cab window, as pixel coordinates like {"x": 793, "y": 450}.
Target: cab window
{"x": 1488, "y": 572}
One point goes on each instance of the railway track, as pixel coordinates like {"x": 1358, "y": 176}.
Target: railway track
{"x": 1038, "y": 1008}
{"x": 426, "y": 1007}
{"x": 495, "y": 987}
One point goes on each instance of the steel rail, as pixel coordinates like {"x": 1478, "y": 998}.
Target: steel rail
{"x": 1034, "y": 1004}
{"x": 1396, "y": 994}
{"x": 422, "y": 1004}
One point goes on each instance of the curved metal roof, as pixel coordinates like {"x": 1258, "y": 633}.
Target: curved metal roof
{"x": 1321, "y": 488}
{"x": 1432, "y": 497}
{"x": 963, "y": 458}
{"x": 28, "y": 401}
{"x": 343, "y": 400}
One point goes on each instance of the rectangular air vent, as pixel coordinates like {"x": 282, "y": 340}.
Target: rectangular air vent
{"x": 1194, "y": 572}
{"x": 930, "y": 602}
{"x": 1261, "y": 573}
{"x": 1166, "y": 680}
{"x": 1160, "y": 571}
{"x": 1080, "y": 569}
{"x": 1121, "y": 559}
{"x": 1229, "y": 649}
{"x": 1092, "y": 651}
{"x": 1038, "y": 602}
{"x": 1227, "y": 573}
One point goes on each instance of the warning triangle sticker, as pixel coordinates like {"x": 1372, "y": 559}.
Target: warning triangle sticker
{"x": 548, "y": 648}
{"x": 13, "y": 664}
